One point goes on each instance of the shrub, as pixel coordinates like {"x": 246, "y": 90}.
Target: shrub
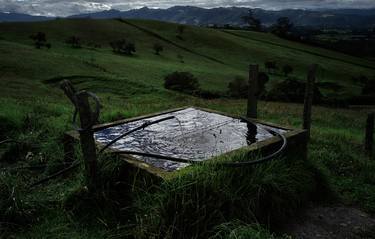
{"x": 74, "y": 42}
{"x": 287, "y": 69}
{"x": 282, "y": 27}
{"x": 238, "y": 88}
{"x": 123, "y": 47}
{"x": 263, "y": 79}
{"x": 271, "y": 66}
{"x": 182, "y": 81}
{"x": 291, "y": 90}
{"x": 158, "y": 48}
{"x": 40, "y": 40}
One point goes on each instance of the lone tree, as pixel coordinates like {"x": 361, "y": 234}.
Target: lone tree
{"x": 282, "y": 27}
{"x": 40, "y": 40}
{"x": 182, "y": 81}
{"x": 123, "y": 47}
{"x": 287, "y": 69}
{"x": 74, "y": 42}
{"x": 271, "y": 66}
{"x": 158, "y": 48}
{"x": 253, "y": 23}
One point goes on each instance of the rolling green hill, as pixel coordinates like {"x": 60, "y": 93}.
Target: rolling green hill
{"x": 214, "y": 56}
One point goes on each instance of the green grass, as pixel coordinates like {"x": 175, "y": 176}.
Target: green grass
{"x": 34, "y": 111}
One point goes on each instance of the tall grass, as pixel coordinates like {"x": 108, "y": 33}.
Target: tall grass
{"x": 191, "y": 204}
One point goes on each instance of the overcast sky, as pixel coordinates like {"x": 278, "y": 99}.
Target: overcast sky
{"x": 69, "y": 7}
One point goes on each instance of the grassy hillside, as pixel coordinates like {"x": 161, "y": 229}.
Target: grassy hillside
{"x": 35, "y": 113}
{"x": 215, "y": 57}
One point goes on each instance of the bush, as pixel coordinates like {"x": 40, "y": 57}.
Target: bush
{"x": 183, "y": 82}
{"x": 287, "y": 69}
{"x": 292, "y": 90}
{"x": 271, "y": 66}
{"x": 40, "y": 40}
{"x": 158, "y": 48}
{"x": 74, "y": 42}
{"x": 123, "y": 47}
{"x": 238, "y": 88}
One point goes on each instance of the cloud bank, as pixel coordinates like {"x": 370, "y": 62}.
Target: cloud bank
{"x": 70, "y": 7}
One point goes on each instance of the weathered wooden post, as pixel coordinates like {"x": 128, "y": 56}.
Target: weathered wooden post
{"x": 87, "y": 120}
{"x": 369, "y": 138}
{"x": 309, "y": 96}
{"x": 252, "y": 100}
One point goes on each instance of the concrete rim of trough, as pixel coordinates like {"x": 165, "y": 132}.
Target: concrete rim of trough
{"x": 290, "y": 133}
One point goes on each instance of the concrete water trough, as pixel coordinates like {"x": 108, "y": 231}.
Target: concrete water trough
{"x": 192, "y": 134}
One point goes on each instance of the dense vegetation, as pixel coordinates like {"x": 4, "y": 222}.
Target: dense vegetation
{"x": 35, "y": 114}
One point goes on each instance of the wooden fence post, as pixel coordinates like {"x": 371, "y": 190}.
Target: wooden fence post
{"x": 309, "y": 95}
{"x": 81, "y": 102}
{"x": 369, "y": 138}
{"x": 87, "y": 137}
{"x": 252, "y": 100}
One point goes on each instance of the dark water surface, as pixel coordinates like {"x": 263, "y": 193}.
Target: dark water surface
{"x": 193, "y": 134}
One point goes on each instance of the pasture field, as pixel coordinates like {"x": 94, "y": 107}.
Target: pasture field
{"x": 35, "y": 113}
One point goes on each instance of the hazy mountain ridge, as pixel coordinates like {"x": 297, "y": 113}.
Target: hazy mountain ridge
{"x": 20, "y": 17}
{"x": 231, "y": 15}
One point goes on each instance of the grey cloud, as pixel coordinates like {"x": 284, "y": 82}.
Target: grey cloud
{"x": 69, "y": 7}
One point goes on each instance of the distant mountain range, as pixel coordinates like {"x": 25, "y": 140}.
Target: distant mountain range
{"x": 230, "y": 15}
{"x": 19, "y": 17}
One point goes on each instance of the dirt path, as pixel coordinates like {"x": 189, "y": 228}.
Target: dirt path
{"x": 334, "y": 222}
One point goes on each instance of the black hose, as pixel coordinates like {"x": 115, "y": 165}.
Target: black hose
{"x": 263, "y": 159}
{"x": 74, "y": 165}
{"x": 8, "y": 141}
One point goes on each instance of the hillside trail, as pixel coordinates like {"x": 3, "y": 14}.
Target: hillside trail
{"x": 332, "y": 222}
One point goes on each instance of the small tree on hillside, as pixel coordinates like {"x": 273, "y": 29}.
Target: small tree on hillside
{"x": 123, "y": 47}
{"x": 182, "y": 81}
{"x": 271, "y": 66}
{"x": 287, "y": 69}
{"x": 158, "y": 48}
{"x": 282, "y": 27}
{"x": 40, "y": 40}
{"x": 74, "y": 42}
{"x": 253, "y": 23}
